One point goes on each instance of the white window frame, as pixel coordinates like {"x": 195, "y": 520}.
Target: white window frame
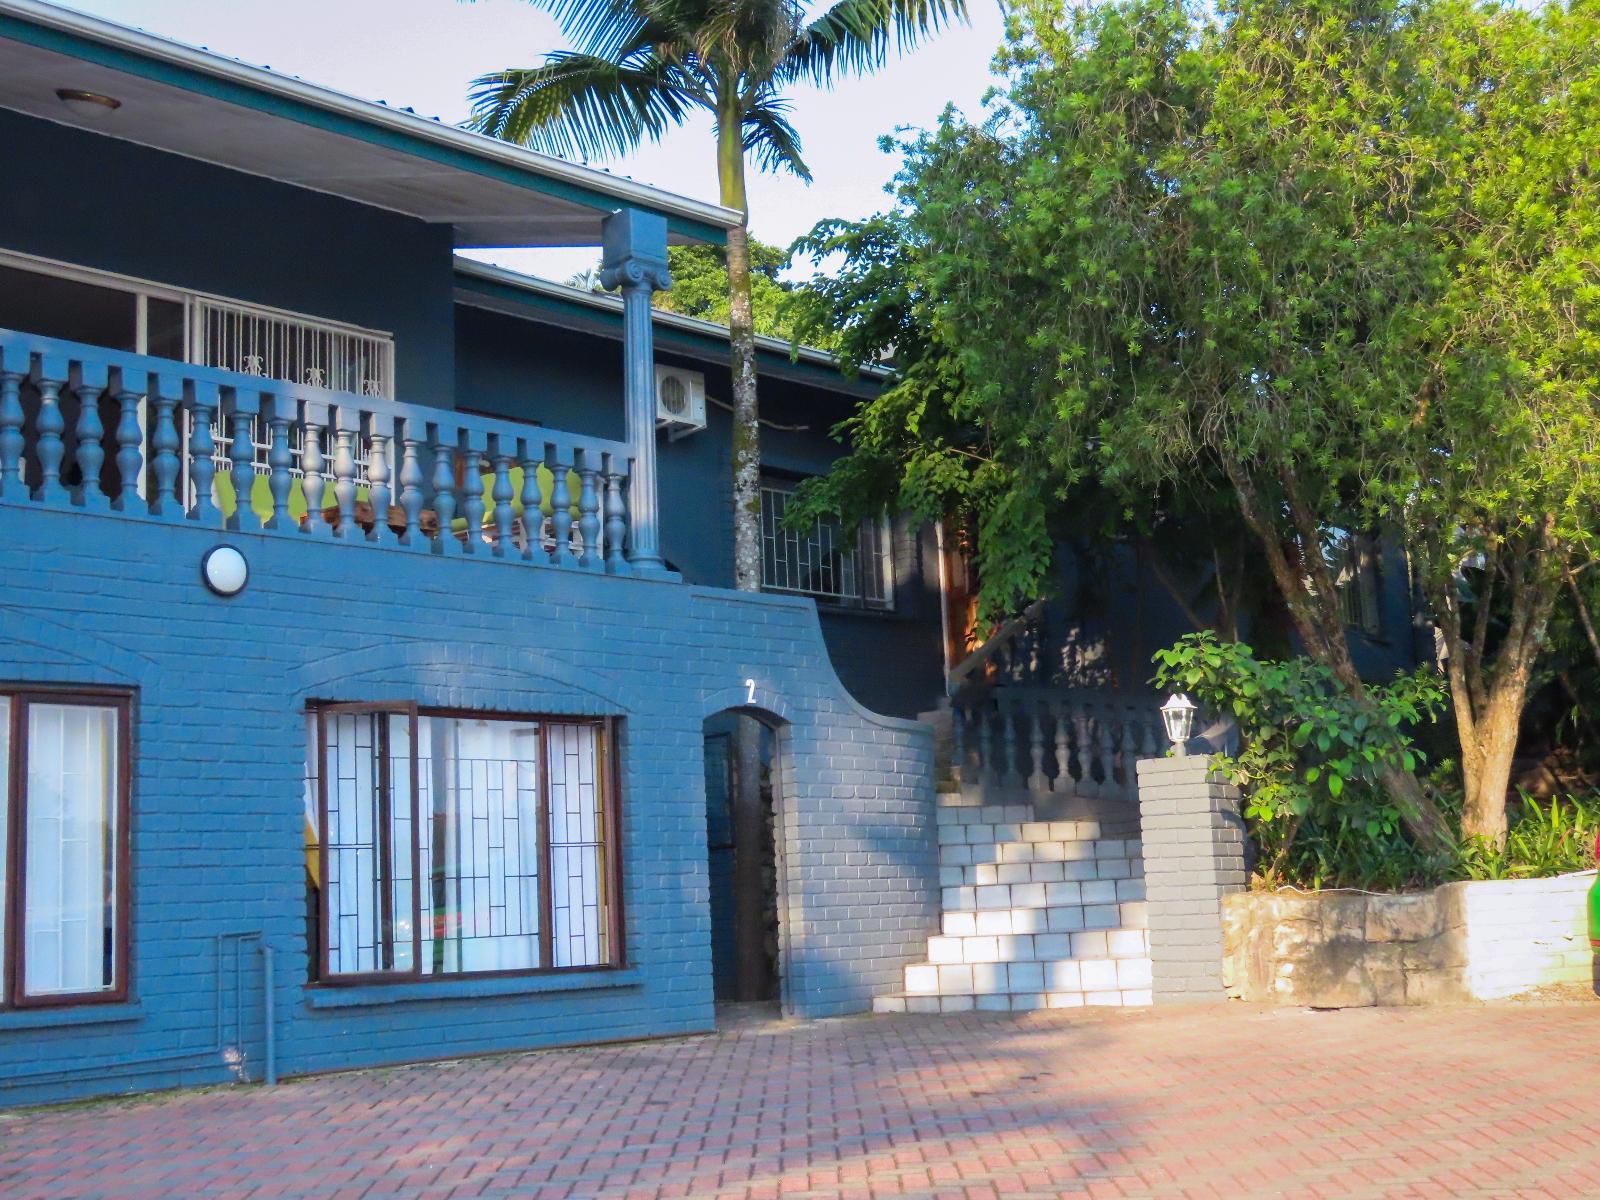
{"x": 195, "y": 305}
{"x": 868, "y": 569}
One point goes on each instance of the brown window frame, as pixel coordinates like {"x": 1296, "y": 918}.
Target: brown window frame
{"x": 13, "y": 978}
{"x": 610, "y": 843}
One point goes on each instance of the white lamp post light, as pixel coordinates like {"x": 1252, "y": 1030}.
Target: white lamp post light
{"x": 1178, "y": 716}
{"x": 225, "y": 571}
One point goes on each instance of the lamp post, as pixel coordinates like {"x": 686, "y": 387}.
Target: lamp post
{"x": 1177, "y": 714}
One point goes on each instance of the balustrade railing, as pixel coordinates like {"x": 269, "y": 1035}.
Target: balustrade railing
{"x": 108, "y": 431}
{"x": 1046, "y": 741}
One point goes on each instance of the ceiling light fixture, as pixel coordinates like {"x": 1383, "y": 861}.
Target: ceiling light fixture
{"x": 87, "y": 102}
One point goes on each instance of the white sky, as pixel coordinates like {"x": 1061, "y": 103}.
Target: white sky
{"x": 423, "y": 54}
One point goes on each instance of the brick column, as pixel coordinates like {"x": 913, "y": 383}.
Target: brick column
{"x": 1193, "y": 856}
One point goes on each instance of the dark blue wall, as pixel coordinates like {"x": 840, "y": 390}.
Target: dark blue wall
{"x": 1117, "y": 614}
{"x": 528, "y": 370}
{"x": 99, "y": 202}
{"x": 216, "y": 829}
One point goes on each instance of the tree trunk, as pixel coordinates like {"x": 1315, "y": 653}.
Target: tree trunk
{"x": 1488, "y": 697}
{"x": 1316, "y": 620}
{"x": 742, "y": 356}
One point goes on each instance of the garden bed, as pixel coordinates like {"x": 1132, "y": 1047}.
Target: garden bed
{"x": 1457, "y": 943}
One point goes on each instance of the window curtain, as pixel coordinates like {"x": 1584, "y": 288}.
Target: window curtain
{"x": 480, "y": 896}
{"x": 70, "y": 867}
{"x": 577, "y": 826}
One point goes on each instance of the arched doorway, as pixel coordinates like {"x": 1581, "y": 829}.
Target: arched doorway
{"x": 743, "y": 784}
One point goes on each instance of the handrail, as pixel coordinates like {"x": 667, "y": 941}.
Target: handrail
{"x": 992, "y": 645}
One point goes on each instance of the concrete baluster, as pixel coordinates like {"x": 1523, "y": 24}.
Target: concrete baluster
{"x": 589, "y": 513}
{"x": 503, "y": 454}
{"x": 242, "y": 453}
{"x": 472, "y": 497}
{"x": 89, "y": 451}
{"x": 130, "y": 440}
{"x": 11, "y": 439}
{"x": 313, "y": 464}
{"x": 1063, "y": 720}
{"x": 280, "y": 460}
{"x": 986, "y": 766}
{"x": 164, "y": 441}
{"x": 380, "y": 434}
{"x": 49, "y": 426}
{"x": 202, "y": 405}
{"x": 344, "y": 471}
{"x": 411, "y": 481}
{"x": 1038, "y": 781}
{"x": 616, "y": 527}
{"x": 560, "y": 507}
{"x": 444, "y": 488}
{"x": 530, "y": 455}
{"x": 958, "y": 741}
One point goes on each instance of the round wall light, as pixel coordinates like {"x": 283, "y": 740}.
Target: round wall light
{"x": 224, "y": 570}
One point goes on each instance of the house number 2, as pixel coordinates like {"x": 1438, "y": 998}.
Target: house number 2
{"x": 749, "y": 691}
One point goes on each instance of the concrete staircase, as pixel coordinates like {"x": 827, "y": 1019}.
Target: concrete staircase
{"x": 1037, "y": 914}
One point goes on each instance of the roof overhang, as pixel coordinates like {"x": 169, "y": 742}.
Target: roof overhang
{"x": 480, "y": 285}
{"x": 201, "y": 105}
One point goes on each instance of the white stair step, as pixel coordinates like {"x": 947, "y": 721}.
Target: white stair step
{"x": 1058, "y": 975}
{"x": 985, "y": 874}
{"x": 900, "y": 1002}
{"x": 1039, "y": 947}
{"x": 1052, "y": 918}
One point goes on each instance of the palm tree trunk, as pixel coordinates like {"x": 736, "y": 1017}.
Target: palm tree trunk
{"x": 742, "y": 357}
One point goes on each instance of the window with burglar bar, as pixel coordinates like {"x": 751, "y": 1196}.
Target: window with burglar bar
{"x": 823, "y": 561}
{"x": 446, "y": 844}
{"x": 1353, "y": 560}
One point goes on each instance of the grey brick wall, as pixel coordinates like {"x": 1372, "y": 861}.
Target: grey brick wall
{"x": 219, "y": 751}
{"x": 1194, "y": 843}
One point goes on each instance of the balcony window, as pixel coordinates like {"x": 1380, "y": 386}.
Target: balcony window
{"x": 64, "y": 827}
{"x": 1353, "y": 559}
{"x": 825, "y": 561}
{"x": 449, "y": 844}
{"x": 100, "y": 309}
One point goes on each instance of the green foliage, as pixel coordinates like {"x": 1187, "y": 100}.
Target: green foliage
{"x": 700, "y": 289}
{"x": 1551, "y": 839}
{"x": 1308, "y": 749}
{"x": 640, "y": 67}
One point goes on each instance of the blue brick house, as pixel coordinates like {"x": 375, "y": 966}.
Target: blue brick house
{"x": 365, "y": 616}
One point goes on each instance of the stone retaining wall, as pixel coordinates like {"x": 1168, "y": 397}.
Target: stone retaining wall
{"x": 1457, "y": 943}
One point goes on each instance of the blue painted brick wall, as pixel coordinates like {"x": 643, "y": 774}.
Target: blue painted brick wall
{"x": 217, "y": 805}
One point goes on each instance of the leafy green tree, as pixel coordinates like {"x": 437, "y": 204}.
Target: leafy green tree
{"x": 700, "y": 288}
{"x": 1329, "y": 264}
{"x": 641, "y": 67}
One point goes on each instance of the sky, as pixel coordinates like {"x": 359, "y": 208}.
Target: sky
{"x": 423, "y": 54}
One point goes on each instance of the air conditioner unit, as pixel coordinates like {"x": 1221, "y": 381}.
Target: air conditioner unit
{"x": 680, "y": 400}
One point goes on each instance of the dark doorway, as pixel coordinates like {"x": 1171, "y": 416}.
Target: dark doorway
{"x": 739, "y": 756}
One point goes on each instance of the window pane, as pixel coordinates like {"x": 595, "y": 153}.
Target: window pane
{"x": 368, "y": 889}
{"x": 69, "y": 909}
{"x": 479, "y": 783}
{"x": 577, "y": 825}
{"x": 33, "y": 302}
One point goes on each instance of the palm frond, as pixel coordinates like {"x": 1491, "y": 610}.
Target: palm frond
{"x": 855, "y": 36}
{"x": 599, "y": 28}
{"x": 768, "y": 136}
{"x": 582, "y": 106}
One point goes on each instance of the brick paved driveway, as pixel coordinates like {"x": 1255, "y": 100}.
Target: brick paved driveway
{"x": 1231, "y": 1102}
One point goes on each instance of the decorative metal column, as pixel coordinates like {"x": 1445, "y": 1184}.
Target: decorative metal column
{"x": 634, "y": 259}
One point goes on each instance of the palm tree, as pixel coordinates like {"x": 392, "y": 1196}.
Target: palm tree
{"x": 642, "y": 67}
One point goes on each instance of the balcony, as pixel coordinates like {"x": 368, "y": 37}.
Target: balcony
{"x": 157, "y": 440}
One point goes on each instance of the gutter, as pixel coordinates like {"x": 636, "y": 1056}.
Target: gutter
{"x": 259, "y": 79}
